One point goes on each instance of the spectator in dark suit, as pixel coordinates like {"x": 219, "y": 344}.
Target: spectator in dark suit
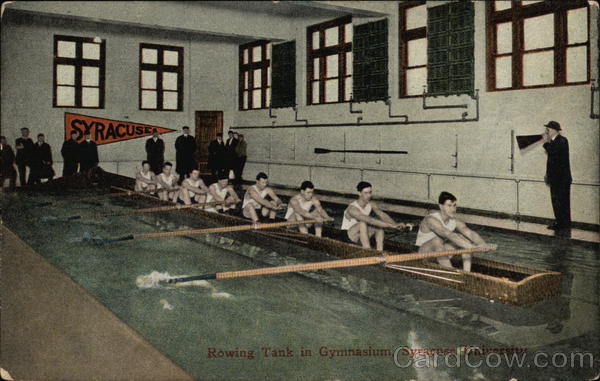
{"x": 230, "y": 156}
{"x": 24, "y": 147}
{"x": 240, "y": 151}
{"x": 216, "y": 154}
{"x": 41, "y": 161}
{"x": 70, "y": 154}
{"x": 185, "y": 147}
{"x": 88, "y": 153}
{"x": 7, "y": 164}
{"x": 558, "y": 175}
{"x": 155, "y": 150}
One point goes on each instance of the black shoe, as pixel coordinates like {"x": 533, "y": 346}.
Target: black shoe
{"x": 553, "y": 226}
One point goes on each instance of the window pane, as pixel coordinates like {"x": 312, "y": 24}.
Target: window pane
{"x": 332, "y": 63}
{"x": 268, "y": 51}
{"x": 257, "y": 54}
{"x": 539, "y": 32}
{"x": 91, "y": 51}
{"x": 416, "y": 17}
{"x": 504, "y": 72}
{"x": 258, "y": 78}
{"x": 538, "y": 68}
{"x": 332, "y": 36}
{"x": 347, "y": 88}
{"x": 349, "y": 58}
{"x": 577, "y": 64}
{"x": 245, "y": 56}
{"x": 315, "y": 92}
{"x": 331, "y": 90}
{"x": 169, "y": 81}
{"x": 90, "y": 97}
{"x": 269, "y": 76}
{"x": 504, "y": 38}
{"x": 256, "y": 101}
{"x": 500, "y": 5}
{"x": 415, "y": 80}
{"x": 529, "y": 2}
{"x": 245, "y": 101}
{"x": 268, "y": 95}
{"x": 417, "y": 52}
{"x": 347, "y": 32}
{"x": 90, "y": 76}
{"x": 65, "y": 96}
{"x": 65, "y": 75}
{"x": 148, "y": 79}
{"x": 149, "y": 99}
{"x": 245, "y": 83}
{"x": 315, "y": 40}
{"x": 170, "y": 100}
{"x": 149, "y": 56}
{"x": 577, "y": 20}
{"x": 316, "y": 68}
{"x": 170, "y": 57}
{"x": 66, "y": 49}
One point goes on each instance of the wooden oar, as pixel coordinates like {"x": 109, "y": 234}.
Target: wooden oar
{"x": 89, "y": 198}
{"x": 141, "y": 211}
{"x": 383, "y": 259}
{"x": 222, "y": 229}
{"x": 325, "y": 150}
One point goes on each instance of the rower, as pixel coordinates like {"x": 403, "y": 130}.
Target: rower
{"x": 255, "y": 198}
{"x": 358, "y": 223}
{"x": 145, "y": 179}
{"x": 193, "y": 189}
{"x": 166, "y": 184}
{"x": 437, "y": 233}
{"x": 221, "y": 191}
{"x": 306, "y": 206}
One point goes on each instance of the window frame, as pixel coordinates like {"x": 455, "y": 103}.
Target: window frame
{"x": 516, "y": 15}
{"x": 79, "y": 62}
{"x": 404, "y": 36}
{"x": 264, "y": 65}
{"x": 341, "y": 48}
{"x": 159, "y": 69}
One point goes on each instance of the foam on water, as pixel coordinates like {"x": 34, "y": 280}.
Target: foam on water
{"x": 166, "y": 305}
{"x": 158, "y": 279}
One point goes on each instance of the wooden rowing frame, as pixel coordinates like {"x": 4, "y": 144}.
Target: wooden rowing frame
{"x": 497, "y": 281}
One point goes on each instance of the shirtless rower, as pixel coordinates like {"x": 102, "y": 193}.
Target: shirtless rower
{"x": 437, "y": 233}
{"x": 193, "y": 188}
{"x": 221, "y": 191}
{"x": 145, "y": 179}
{"x": 360, "y": 226}
{"x": 305, "y": 206}
{"x": 166, "y": 184}
{"x": 255, "y": 199}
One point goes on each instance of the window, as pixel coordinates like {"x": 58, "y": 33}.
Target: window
{"x": 78, "y": 72}
{"x": 255, "y": 75}
{"x": 329, "y": 61}
{"x": 537, "y": 44}
{"x": 161, "y": 78}
{"x": 413, "y": 48}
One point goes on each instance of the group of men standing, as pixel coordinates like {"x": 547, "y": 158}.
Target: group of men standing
{"x": 37, "y": 158}
{"x": 185, "y": 148}
{"x": 228, "y": 156}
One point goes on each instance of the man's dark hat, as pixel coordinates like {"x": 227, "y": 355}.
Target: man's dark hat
{"x": 184, "y": 127}
{"x": 553, "y": 125}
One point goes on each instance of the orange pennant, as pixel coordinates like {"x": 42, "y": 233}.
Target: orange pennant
{"x": 105, "y": 131}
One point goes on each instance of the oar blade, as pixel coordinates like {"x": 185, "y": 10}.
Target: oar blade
{"x": 322, "y": 150}
{"x": 192, "y": 278}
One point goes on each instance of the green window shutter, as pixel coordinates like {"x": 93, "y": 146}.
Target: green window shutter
{"x": 450, "y": 45}
{"x": 370, "y": 61}
{"x": 283, "y": 75}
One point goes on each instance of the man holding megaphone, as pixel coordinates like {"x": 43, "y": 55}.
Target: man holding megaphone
{"x": 558, "y": 175}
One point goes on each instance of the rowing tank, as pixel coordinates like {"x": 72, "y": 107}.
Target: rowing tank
{"x": 497, "y": 281}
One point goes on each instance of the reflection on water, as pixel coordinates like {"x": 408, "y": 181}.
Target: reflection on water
{"x": 209, "y": 328}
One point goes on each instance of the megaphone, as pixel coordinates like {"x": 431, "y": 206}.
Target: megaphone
{"x": 525, "y": 141}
